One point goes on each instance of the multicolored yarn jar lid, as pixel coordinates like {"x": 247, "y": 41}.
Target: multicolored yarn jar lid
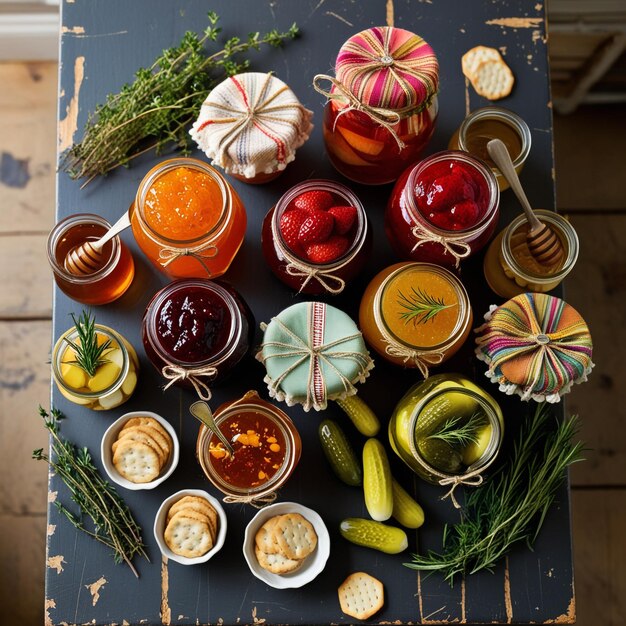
{"x": 313, "y": 353}
{"x": 251, "y": 125}
{"x": 537, "y": 346}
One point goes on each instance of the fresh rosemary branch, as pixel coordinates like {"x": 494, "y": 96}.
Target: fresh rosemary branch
{"x": 154, "y": 111}
{"x": 512, "y": 505}
{"x": 113, "y": 523}
{"x": 89, "y": 355}
{"x": 459, "y": 432}
{"x": 420, "y": 306}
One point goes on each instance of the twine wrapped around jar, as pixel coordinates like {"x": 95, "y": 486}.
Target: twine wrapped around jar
{"x": 176, "y": 373}
{"x": 169, "y": 254}
{"x": 458, "y": 249}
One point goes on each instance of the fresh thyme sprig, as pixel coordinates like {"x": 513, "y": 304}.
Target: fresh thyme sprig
{"x": 420, "y": 306}
{"x": 512, "y": 506}
{"x": 89, "y": 355}
{"x": 113, "y": 523}
{"x": 459, "y": 432}
{"x": 154, "y": 111}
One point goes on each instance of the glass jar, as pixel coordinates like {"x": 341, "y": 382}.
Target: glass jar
{"x": 415, "y": 315}
{"x": 509, "y": 266}
{"x": 382, "y": 105}
{"x": 114, "y": 381}
{"x": 110, "y": 280}
{"x": 421, "y": 430}
{"x": 195, "y": 332}
{"x": 487, "y": 123}
{"x": 331, "y": 263}
{"x": 267, "y": 449}
{"x": 187, "y": 219}
{"x": 443, "y": 209}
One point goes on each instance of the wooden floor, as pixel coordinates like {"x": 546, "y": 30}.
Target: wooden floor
{"x": 591, "y": 176}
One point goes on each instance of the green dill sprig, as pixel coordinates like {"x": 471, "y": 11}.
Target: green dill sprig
{"x": 113, "y": 523}
{"x": 420, "y": 306}
{"x": 512, "y": 505}
{"x": 459, "y": 432}
{"x": 89, "y": 355}
{"x": 154, "y": 111}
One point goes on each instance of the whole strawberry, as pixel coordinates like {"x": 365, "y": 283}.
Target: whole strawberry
{"x": 316, "y": 228}
{"x": 316, "y": 200}
{"x": 345, "y": 216}
{"x": 329, "y": 250}
{"x": 289, "y": 226}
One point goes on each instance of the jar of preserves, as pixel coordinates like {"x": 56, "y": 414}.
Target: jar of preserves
{"x": 187, "y": 219}
{"x": 382, "y": 104}
{"x": 510, "y": 267}
{"x": 195, "y": 332}
{"x": 447, "y": 430}
{"x": 99, "y": 383}
{"x": 110, "y": 280}
{"x": 316, "y": 238}
{"x": 487, "y": 123}
{"x": 267, "y": 449}
{"x": 443, "y": 209}
{"x": 415, "y": 314}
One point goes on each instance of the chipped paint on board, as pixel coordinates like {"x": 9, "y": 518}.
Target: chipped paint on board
{"x": 467, "y": 97}
{"x": 94, "y": 589}
{"x": 52, "y": 496}
{"x": 341, "y": 19}
{"x": 69, "y": 124}
{"x": 568, "y": 617}
{"x": 463, "y": 608}
{"x": 389, "y": 13}
{"x": 49, "y": 604}
{"x": 166, "y": 612}
{"x": 508, "y": 603}
{"x": 255, "y": 619}
{"x": 50, "y": 530}
{"x": 75, "y": 30}
{"x": 56, "y": 562}
{"x": 516, "y": 22}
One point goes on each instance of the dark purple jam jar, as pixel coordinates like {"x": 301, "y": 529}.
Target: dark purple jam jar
{"x": 195, "y": 332}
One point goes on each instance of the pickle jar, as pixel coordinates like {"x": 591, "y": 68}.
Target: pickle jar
{"x": 382, "y": 104}
{"x": 510, "y": 267}
{"x": 187, "y": 219}
{"x": 447, "y": 430}
{"x": 416, "y": 315}
{"x": 328, "y": 263}
{"x": 267, "y": 449}
{"x": 195, "y": 332}
{"x": 443, "y": 209}
{"x": 109, "y": 281}
{"x": 113, "y": 381}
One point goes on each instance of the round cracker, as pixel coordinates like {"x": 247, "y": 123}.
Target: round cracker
{"x": 276, "y": 563}
{"x": 493, "y": 80}
{"x": 265, "y": 539}
{"x": 136, "y": 461}
{"x": 163, "y": 443}
{"x": 295, "y": 535}
{"x": 188, "y": 537}
{"x": 149, "y": 421}
{"x": 143, "y": 437}
{"x": 197, "y": 505}
{"x": 475, "y": 56}
{"x": 361, "y": 595}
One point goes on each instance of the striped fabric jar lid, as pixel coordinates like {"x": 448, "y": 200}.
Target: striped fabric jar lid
{"x": 537, "y": 346}
{"x": 388, "y": 68}
{"x": 250, "y": 124}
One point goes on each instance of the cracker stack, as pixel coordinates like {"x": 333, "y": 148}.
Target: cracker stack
{"x": 490, "y": 76}
{"x": 191, "y": 527}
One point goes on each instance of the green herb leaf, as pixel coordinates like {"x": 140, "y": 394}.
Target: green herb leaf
{"x": 89, "y": 355}
{"x": 420, "y": 306}
{"x": 459, "y": 432}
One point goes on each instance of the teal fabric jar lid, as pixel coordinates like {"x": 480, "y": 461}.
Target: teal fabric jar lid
{"x": 313, "y": 353}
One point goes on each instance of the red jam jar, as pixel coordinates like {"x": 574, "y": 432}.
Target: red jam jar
{"x": 187, "y": 219}
{"x": 443, "y": 209}
{"x": 316, "y": 238}
{"x": 195, "y": 332}
{"x": 382, "y": 104}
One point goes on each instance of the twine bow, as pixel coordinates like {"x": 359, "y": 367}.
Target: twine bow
{"x": 421, "y": 359}
{"x": 200, "y": 253}
{"x": 258, "y": 502}
{"x": 470, "y": 479}
{"x": 175, "y": 373}
{"x": 458, "y": 249}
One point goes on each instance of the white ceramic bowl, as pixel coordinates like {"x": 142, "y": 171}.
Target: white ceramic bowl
{"x": 110, "y": 436}
{"x": 313, "y": 564}
{"x": 161, "y": 516}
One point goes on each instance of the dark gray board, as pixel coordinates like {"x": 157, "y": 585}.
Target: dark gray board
{"x": 115, "y": 38}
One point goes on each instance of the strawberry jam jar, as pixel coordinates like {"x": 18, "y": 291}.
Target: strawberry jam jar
{"x": 195, "y": 332}
{"x": 316, "y": 238}
{"x": 382, "y": 104}
{"x": 187, "y": 219}
{"x": 443, "y": 209}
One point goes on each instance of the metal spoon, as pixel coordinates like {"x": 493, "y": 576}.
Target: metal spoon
{"x": 543, "y": 243}
{"x": 201, "y": 411}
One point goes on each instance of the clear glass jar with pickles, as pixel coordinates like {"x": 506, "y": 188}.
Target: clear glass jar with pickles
{"x": 447, "y": 430}
{"x": 94, "y": 366}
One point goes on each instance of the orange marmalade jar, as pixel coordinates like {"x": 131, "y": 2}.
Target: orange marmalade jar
{"x": 415, "y": 315}
{"x": 187, "y": 219}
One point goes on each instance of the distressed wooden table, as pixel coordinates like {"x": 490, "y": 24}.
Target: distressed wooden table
{"x": 102, "y": 45}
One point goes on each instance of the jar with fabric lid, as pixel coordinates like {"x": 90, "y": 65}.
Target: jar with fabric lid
{"x": 382, "y": 104}
{"x": 250, "y": 125}
{"x": 187, "y": 219}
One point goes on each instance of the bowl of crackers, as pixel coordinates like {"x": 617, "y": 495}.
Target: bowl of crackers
{"x": 139, "y": 450}
{"x": 286, "y": 545}
{"x": 190, "y": 527}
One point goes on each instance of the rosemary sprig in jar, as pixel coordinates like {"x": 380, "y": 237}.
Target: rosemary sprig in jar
{"x": 89, "y": 355}
{"x": 113, "y": 523}
{"x": 155, "y": 110}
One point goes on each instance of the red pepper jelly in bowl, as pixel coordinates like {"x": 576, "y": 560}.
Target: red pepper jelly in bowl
{"x": 316, "y": 237}
{"x": 443, "y": 209}
{"x": 195, "y": 332}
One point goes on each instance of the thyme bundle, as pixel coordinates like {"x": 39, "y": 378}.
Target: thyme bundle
{"x": 512, "y": 505}
{"x": 154, "y": 111}
{"x": 113, "y": 522}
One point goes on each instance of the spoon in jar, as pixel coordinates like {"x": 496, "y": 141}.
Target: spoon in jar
{"x": 87, "y": 258}
{"x": 542, "y": 242}
{"x": 202, "y": 412}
